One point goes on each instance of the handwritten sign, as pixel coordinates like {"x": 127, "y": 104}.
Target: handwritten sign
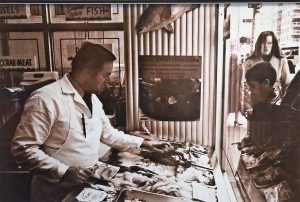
{"x": 170, "y": 67}
{"x": 18, "y": 63}
{"x": 91, "y": 195}
{"x": 88, "y": 12}
{"x": 13, "y": 11}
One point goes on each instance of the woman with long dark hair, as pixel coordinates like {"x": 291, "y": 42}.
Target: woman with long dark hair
{"x": 266, "y": 49}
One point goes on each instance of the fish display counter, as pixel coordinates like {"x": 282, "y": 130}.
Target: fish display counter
{"x": 186, "y": 174}
{"x": 267, "y": 173}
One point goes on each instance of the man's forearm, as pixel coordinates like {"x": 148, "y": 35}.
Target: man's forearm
{"x": 34, "y": 159}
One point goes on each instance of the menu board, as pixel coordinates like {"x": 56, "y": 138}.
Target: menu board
{"x": 170, "y": 67}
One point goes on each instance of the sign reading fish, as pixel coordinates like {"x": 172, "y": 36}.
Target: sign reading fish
{"x": 88, "y": 12}
{"x": 161, "y": 16}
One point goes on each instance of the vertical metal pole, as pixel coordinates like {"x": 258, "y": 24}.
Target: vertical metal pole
{"x": 220, "y": 15}
{"x": 128, "y": 68}
{"x": 47, "y": 37}
{"x": 5, "y": 51}
{"x": 253, "y": 26}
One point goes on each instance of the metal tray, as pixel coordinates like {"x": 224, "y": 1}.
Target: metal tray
{"x": 263, "y": 167}
{"x": 131, "y": 194}
{"x": 269, "y": 162}
{"x": 257, "y": 165}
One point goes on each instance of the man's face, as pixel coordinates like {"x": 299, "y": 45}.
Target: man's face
{"x": 99, "y": 79}
{"x": 259, "y": 91}
{"x": 266, "y": 46}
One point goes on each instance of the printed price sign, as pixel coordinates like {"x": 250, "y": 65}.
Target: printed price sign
{"x": 170, "y": 67}
{"x": 17, "y": 62}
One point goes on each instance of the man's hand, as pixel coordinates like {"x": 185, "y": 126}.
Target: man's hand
{"x": 76, "y": 175}
{"x": 158, "y": 147}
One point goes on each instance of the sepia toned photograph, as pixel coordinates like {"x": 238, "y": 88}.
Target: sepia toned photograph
{"x": 149, "y": 101}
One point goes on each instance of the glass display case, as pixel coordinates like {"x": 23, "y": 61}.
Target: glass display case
{"x": 257, "y": 146}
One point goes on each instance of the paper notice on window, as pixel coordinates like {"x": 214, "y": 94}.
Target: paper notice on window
{"x": 170, "y": 67}
{"x": 91, "y": 195}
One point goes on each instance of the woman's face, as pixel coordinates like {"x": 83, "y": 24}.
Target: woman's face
{"x": 266, "y": 46}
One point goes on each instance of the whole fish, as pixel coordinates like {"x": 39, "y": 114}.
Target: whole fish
{"x": 161, "y": 16}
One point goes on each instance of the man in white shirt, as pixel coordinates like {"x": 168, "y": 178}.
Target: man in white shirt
{"x": 58, "y": 137}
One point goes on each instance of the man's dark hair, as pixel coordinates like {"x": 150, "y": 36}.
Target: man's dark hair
{"x": 260, "y": 72}
{"x": 91, "y": 55}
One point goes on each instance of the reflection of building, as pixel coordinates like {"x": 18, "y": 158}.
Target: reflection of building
{"x": 290, "y": 32}
{"x": 265, "y": 20}
{"x": 290, "y": 23}
{"x": 282, "y": 19}
{"x": 241, "y": 26}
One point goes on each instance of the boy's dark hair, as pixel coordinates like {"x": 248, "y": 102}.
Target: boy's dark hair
{"x": 91, "y": 55}
{"x": 260, "y": 72}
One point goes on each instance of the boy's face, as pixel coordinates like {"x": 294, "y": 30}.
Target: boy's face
{"x": 259, "y": 91}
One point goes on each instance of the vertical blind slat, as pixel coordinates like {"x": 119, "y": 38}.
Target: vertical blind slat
{"x": 206, "y": 72}
{"x": 135, "y": 68}
{"x": 128, "y": 66}
{"x": 212, "y": 76}
{"x": 193, "y": 35}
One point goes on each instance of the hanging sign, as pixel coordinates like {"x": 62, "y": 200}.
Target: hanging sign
{"x": 88, "y": 12}
{"x": 13, "y": 11}
{"x": 170, "y": 67}
{"x": 18, "y": 62}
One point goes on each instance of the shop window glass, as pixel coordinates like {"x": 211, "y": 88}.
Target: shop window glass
{"x": 36, "y": 10}
{"x": 23, "y": 44}
{"x": 66, "y": 44}
{"x": 28, "y": 44}
{"x": 236, "y": 126}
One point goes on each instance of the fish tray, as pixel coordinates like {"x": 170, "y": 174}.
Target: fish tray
{"x": 256, "y": 165}
{"x": 253, "y": 171}
{"x": 131, "y": 194}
